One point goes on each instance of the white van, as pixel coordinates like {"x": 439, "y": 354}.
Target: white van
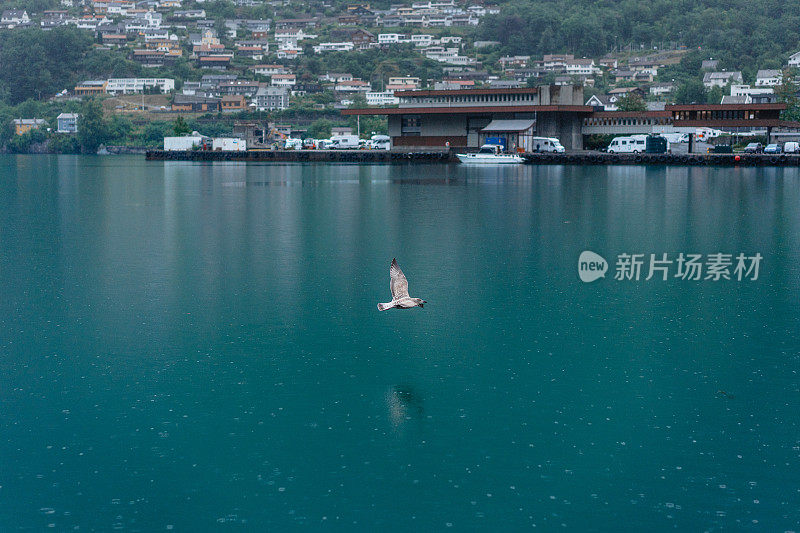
{"x": 344, "y": 142}
{"x": 293, "y": 144}
{"x": 704, "y": 134}
{"x": 791, "y": 148}
{"x": 626, "y": 145}
{"x": 675, "y": 138}
{"x": 546, "y": 144}
{"x": 381, "y": 142}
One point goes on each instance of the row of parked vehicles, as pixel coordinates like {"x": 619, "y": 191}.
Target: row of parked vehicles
{"x": 640, "y": 144}
{"x": 773, "y": 148}
{"x": 340, "y": 142}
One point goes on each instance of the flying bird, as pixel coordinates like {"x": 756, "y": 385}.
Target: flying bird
{"x": 398, "y": 285}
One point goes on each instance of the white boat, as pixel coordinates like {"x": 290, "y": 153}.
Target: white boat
{"x": 490, "y": 153}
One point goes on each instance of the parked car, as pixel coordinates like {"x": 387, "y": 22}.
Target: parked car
{"x": 791, "y": 148}
{"x": 772, "y": 149}
{"x": 753, "y": 148}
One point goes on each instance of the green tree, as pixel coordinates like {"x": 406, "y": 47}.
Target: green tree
{"x": 690, "y": 92}
{"x": 320, "y": 129}
{"x": 119, "y": 129}
{"x": 631, "y": 102}
{"x": 787, "y": 93}
{"x": 92, "y": 127}
{"x": 37, "y": 64}
{"x": 181, "y": 127}
{"x": 714, "y": 95}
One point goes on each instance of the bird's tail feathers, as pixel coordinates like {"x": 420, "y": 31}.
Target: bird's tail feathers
{"x": 384, "y": 307}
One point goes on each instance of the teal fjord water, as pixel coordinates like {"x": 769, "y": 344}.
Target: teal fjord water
{"x": 197, "y": 347}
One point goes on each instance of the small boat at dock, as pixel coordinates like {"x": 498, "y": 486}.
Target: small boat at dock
{"x": 491, "y": 154}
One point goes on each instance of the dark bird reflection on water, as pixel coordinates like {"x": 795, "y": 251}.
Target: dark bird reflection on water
{"x": 405, "y": 404}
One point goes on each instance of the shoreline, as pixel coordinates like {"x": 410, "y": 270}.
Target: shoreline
{"x": 443, "y": 156}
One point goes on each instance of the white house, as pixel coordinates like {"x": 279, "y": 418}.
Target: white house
{"x": 394, "y": 38}
{"x": 606, "y": 102}
{"x": 411, "y": 82}
{"x": 336, "y": 77}
{"x": 381, "y": 98}
{"x": 580, "y": 67}
{"x": 14, "y": 17}
{"x": 68, "y": 123}
{"x": 422, "y": 39}
{"x": 721, "y": 79}
{"x": 768, "y": 78}
{"x": 747, "y": 90}
{"x": 660, "y": 89}
{"x": 333, "y": 47}
{"x": 269, "y": 70}
{"x": 138, "y": 85}
{"x": 352, "y": 86}
{"x": 283, "y": 80}
{"x": 794, "y": 60}
{"x": 291, "y": 37}
{"x": 452, "y": 39}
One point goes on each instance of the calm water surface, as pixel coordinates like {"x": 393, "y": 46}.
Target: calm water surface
{"x": 196, "y": 347}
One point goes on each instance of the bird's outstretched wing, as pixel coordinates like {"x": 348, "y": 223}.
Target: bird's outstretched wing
{"x": 398, "y": 283}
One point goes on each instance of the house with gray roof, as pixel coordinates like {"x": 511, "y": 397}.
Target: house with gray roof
{"x": 721, "y": 79}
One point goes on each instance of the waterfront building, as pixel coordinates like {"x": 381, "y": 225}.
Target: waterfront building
{"x": 464, "y": 117}
{"x": 68, "y": 122}
{"x": 24, "y": 125}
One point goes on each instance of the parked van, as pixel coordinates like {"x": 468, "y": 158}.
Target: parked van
{"x": 704, "y": 134}
{"x": 675, "y": 138}
{"x": 293, "y": 144}
{"x": 228, "y": 144}
{"x": 791, "y": 148}
{"x": 344, "y": 142}
{"x": 546, "y": 144}
{"x": 381, "y": 142}
{"x": 625, "y": 145}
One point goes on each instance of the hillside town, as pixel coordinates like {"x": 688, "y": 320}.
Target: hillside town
{"x": 193, "y": 60}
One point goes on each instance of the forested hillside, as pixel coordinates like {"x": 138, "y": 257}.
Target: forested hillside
{"x": 742, "y": 33}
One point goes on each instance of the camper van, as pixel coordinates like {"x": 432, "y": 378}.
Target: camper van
{"x": 625, "y": 145}
{"x": 344, "y": 142}
{"x": 704, "y": 134}
{"x": 293, "y": 144}
{"x": 675, "y": 138}
{"x": 547, "y": 144}
{"x": 381, "y": 142}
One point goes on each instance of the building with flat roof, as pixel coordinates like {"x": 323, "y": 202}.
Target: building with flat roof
{"x": 139, "y": 85}
{"x": 91, "y": 87}
{"x": 464, "y": 117}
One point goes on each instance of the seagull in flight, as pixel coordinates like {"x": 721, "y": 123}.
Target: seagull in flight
{"x": 398, "y": 285}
